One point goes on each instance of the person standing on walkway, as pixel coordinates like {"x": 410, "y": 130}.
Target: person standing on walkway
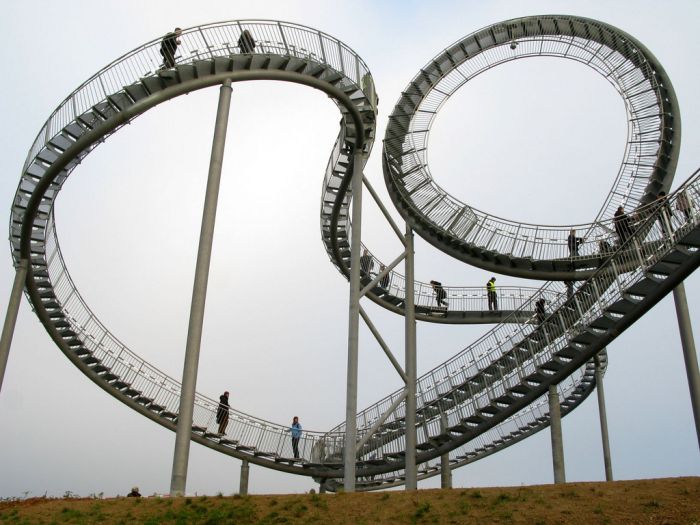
{"x": 168, "y": 46}
{"x": 295, "y": 429}
{"x": 573, "y": 242}
{"x": 491, "y": 294}
{"x": 222, "y": 413}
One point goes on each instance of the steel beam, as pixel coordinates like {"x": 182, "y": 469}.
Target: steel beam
{"x": 245, "y": 474}
{"x": 555, "y": 431}
{"x": 689, "y": 354}
{"x": 353, "y": 326}
{"x": 603, "y": 418}
{"x": 199, "y": 295}
{"x": 410, "y": 366}
{"x": 8, "y": 329}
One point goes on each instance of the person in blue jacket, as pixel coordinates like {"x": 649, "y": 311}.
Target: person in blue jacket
{"x": 295, "y": 429}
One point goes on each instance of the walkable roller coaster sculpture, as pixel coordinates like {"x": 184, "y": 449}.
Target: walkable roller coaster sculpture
{"x": 493, "y": 393}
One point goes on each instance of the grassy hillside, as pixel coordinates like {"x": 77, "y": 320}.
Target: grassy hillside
{"x": 660, "y": 501}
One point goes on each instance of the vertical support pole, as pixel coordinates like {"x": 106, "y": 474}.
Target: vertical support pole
{"x": 8, "y": 329}
{"x": 445, "y": 471}
{"x": 245, "y": 473}
{"x": 689, "y": 355}
{"x": 353, "y": 325}
{"x": 199, "y": 294}
{"x": 603, "y": 418}
{"x": 555, "y": 431}
{"x": 410, "y": 365}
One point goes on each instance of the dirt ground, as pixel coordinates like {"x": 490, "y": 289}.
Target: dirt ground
{"x": 650, "y": 502}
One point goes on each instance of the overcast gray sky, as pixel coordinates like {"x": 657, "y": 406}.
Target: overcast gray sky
{"x": 536, "y": 140}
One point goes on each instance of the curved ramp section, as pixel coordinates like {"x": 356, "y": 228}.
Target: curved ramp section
{"x": 512, "y": 366}
{"x": 505, "y": 246}
{"x": 113, "y": 97}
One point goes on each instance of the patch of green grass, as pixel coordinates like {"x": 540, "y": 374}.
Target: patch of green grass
{"x": 385, "y": 496}
{"x": 319, "y": 502}
{"x": 598, "y": 510}
{"x": 422, "y": 510}
{"x": 501, "y": 498}
{"x": 569, "y": 494}
{"x": 476, "y": 495}
{"x": 652, "y": 504}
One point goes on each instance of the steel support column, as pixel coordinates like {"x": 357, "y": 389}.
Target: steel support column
{"x": 8, "y": 329}
{"x": 445, "y": 470}
{"x": 353, "y": 326}
{"x": 603, "y": 419}
{"x": 410, "y": 366}
{"x": 689, "y": 354}
{"x": 199, "y": 294}
{"x": 245, "y": 473}
{"x": 555, "y": 431}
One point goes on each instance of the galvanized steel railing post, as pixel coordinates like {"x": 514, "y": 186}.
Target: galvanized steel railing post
{"x": 199, "y": 294}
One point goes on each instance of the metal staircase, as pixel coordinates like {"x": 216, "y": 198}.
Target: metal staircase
{"x": 491, "y": 393}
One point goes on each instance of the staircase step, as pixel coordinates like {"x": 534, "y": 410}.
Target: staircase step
{"x": 89, "y": 359}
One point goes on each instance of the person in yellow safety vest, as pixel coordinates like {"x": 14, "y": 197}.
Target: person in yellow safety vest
{"x": 491, "y": 294}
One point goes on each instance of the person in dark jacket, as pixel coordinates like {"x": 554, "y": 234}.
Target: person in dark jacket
{"x": 623, "y": 228}
{"x": 168, "y": 46}
{"x": 440, "y": 293}
{"x": 134, "y": 493}
{"x": 540, "y": 310}
{"x": 246, "y": 42}
{"x": 573, "y": 242}
{"x": 222, "y": 413}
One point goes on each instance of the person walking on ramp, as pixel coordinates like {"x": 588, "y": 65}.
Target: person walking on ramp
{"x": 168, "y": 46}
{"x": 222, "y": 413}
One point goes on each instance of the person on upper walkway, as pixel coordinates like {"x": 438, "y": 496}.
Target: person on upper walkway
{"x": 491, "y": 294}
{"x": 168, "y": 46}
{"x": 246, "y": 42}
